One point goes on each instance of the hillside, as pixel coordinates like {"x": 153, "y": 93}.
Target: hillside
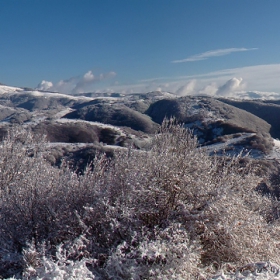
{"x": 266, "y": 110}
{"x": 118, "y": 115}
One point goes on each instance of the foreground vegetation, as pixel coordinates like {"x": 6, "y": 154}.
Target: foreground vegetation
{"x": 167, "y": 212}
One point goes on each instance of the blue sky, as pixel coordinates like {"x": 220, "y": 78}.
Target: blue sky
{"x": 183, "y": 46}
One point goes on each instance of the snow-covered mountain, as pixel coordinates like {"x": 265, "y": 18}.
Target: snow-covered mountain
{"x": 113, "y": 120}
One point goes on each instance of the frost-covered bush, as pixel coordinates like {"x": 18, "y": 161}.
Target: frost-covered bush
{"x": 63, "y": 267}
{"x": 38, "y": 202}
{"x": 169, "y": 255}
{"x": 167, "y": 212}
{"x": 174, "y": 182}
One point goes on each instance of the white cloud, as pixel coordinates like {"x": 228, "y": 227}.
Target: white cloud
{"x": 258, "y": 95}
{"x": 210, "y": 89}
{"x": 230, "y": 87}
{"x": 213, "y": 53}
{"x": 85, "y": 81}
{"x": 257, "y": 78}
{"x": 259, "y": 81}
{"x": 77, "y": 84}
{"x": 227, "y": 87}
{"x": 45, "y": 85}
{"x": 187, "y": 89}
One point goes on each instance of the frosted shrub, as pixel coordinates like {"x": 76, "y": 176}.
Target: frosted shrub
{"x": 213, "y": 198}
{"x": 37, "y": 201}
{"x": 167, "y": 212}
{"x": 61, "y": 267}
{"x": 169, "y": 256}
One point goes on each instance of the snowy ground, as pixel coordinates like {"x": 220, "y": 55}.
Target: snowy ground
{"x": 101, "y": 125}
{"x": 275, "y": 154}
{"x": 233, "y": 147}
{"x": 254, "y": 271}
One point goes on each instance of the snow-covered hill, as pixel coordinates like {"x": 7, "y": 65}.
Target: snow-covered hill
{"x": 129, "y": 119}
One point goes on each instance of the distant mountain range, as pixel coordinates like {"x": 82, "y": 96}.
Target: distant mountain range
{"x": 86, "y": 122}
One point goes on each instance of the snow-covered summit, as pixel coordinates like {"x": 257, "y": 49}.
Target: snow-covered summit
{"x": 8, "y": 89}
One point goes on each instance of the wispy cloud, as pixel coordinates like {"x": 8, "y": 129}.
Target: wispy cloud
{"x": 213, "y": 53}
